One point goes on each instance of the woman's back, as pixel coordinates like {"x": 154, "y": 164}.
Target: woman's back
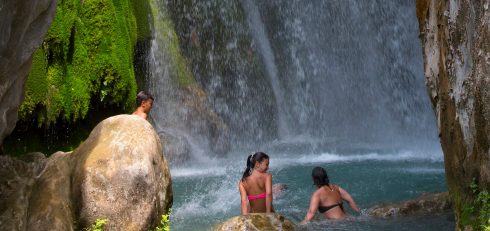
{"x": 255, "y": 186}
{"x": 330, "y": 202}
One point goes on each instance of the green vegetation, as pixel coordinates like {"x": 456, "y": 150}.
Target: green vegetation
{"x": 86, "y": 58}
{"x": 98, "y": 225}
{"x": 477, "y": 212}
{"x": 164, "y": 222}
{"x": 167, "y": 36}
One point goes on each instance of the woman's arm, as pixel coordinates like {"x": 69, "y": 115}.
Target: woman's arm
{"x": 243, "y": 199}
{"x": 314, "y": 201}
{"x": 268, "y": 194}
{"x": 347, "y": 197}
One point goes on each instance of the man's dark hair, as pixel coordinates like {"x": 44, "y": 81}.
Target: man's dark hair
{"x": 143, "y": 96}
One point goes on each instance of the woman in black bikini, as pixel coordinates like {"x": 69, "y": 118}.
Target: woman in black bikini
{"x": 328, "y": 198}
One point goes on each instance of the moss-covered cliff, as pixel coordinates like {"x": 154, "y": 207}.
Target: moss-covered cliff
{"x": 86, "y": 58}
{"x": 455, "y": 37}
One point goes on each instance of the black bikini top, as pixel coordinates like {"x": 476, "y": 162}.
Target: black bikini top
{"x": 323, "y": 209}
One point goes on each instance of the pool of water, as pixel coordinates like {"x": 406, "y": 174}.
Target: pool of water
{"x": 206, "y": 194}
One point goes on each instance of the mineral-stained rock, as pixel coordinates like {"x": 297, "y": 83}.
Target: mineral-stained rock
{"x": 455, "y": 37}
{"x": 425, "y": 204}
{"x": 257, "y": 222}
{"x": 23, "y": 24}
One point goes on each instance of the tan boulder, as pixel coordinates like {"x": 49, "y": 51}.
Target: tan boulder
{"x": 256, "y": 222}
{"x": 120, "y": 174}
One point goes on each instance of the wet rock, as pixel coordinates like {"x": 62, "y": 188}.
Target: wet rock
{"x": 256, "y": 222}
{"x": 176, "y": 148}
{"x": 425, "y": 204}
{"x": 23, "y": 24}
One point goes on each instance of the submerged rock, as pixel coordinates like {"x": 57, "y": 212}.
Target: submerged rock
{"x": 119, "y": 173}
{"x": 256, "y": 222}
{"x": 425, "y": 204}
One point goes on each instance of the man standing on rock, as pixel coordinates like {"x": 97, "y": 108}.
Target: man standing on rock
{"x": 144, "y": 103}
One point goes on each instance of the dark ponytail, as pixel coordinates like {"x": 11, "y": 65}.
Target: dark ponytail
{"x": 320, "y": 177}
{"x": 251, "y": 160}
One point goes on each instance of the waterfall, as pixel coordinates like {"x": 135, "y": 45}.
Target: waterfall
{"x": 290, "y": 75}
{"x": 265, "y": 49}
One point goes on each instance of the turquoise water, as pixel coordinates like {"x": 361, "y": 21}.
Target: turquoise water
{"x": 207, "y": 194}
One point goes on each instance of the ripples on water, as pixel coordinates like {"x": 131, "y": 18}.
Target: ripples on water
{"x": 207, "y": 194}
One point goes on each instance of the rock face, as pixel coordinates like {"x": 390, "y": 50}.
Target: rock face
{"x": 119, "y": 173}
{"x": 23, "y": 24}
{"x": 455, "y": 37}
{"x": 426, "y": 204}
{"x": 256, "y": 222}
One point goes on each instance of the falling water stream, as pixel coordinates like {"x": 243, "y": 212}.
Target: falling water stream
{"x": 345, "y": 78}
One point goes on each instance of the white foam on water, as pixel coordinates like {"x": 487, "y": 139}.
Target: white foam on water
{"x": 420, "y": 170}
{"x": 340, "y": 158}
{"x": 210, "y": 199}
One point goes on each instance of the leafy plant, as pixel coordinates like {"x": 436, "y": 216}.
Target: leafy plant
{"x": 98, "y": 225}
{"x": 477, "y": 212}
{"x": 164, "y": 222}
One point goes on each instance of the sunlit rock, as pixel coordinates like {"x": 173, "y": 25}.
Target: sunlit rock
{"x": 23, "y": 24}
{"x": 427, "y": 203}
{"x": 257, "y": 222}
{"x": 120, "y": 174}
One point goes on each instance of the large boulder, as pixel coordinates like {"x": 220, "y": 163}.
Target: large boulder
{"x": 456, "y": 50}
{"x": 119, "y": 173}
{"x": 427, "y": 203}
{"x": 257, "y": 222}
{"x": 23, "y": 24}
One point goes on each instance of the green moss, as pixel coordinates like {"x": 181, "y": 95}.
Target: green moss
{"x": 87, "y": 54}
{"x": 169, "y": 38}
{"x": 141, "y": 9}
{"x": 36, "y": 85}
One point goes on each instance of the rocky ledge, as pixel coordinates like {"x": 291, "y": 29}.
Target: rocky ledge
{"x": 425, "y": 204}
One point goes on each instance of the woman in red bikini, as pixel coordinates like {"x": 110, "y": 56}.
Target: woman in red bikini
{"x": 328, "y": 198}
{"x": 256, "y": 185}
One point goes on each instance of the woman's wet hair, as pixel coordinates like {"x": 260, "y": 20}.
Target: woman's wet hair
{"x": 252, "y": 159}
{"x": 143, "y": 96}
{"x": 320, "y": 177}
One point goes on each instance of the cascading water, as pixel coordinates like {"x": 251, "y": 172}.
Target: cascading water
{"x": 265, "y": 49}
{"x": 335, "y": 83}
